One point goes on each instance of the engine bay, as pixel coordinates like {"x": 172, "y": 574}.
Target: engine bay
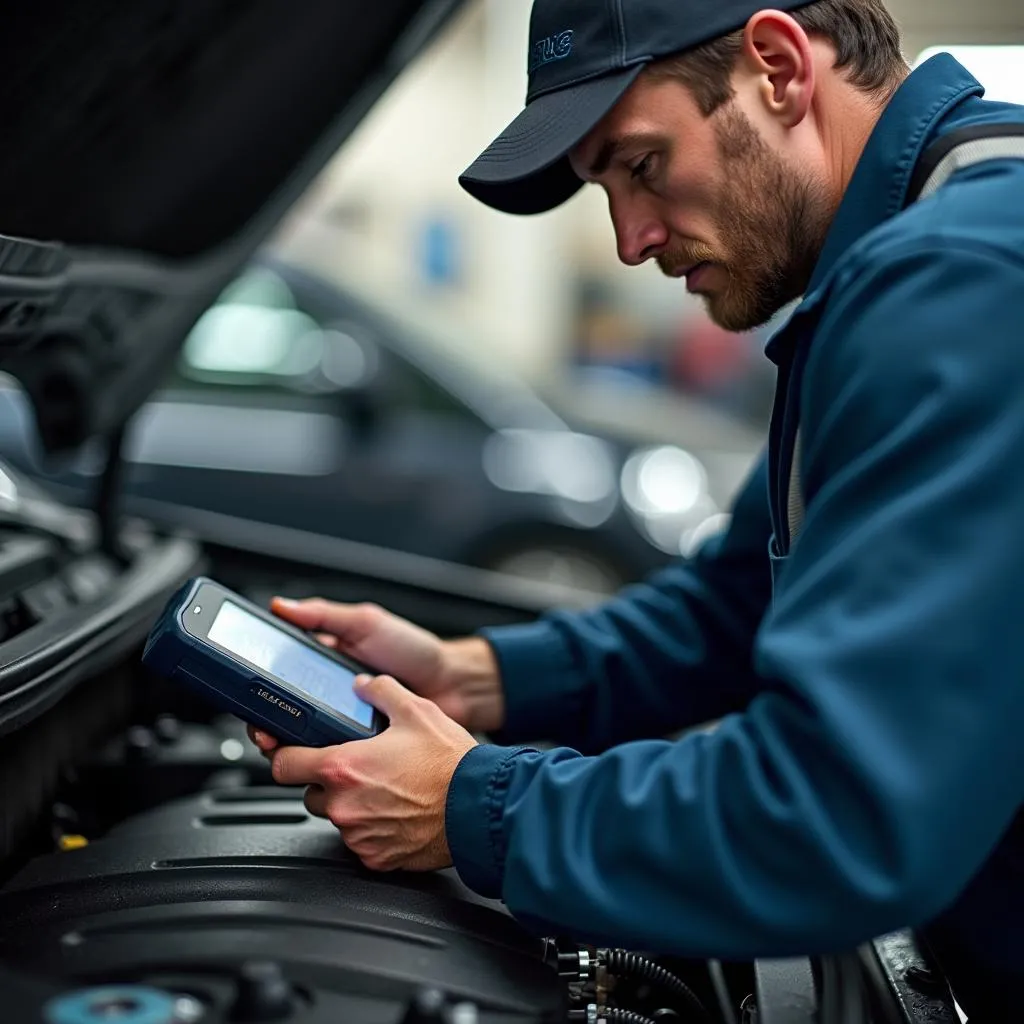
{"x": 151, "y": 872}
{"x": 179, "y": 868}
{"x": 181, "y": 884}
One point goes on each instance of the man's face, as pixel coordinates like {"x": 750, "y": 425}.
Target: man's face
{"x": 708, "y": 199}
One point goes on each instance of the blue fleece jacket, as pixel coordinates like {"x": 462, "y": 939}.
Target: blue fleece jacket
{"x": 868, "y": 770}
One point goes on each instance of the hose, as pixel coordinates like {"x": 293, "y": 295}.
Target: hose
{"x": 622, "y": 961}
{"x": 613, "y": 1015}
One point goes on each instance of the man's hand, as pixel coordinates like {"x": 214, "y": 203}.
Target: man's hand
{"x": 460, "y": 676}
{"x": 387, "y": 794}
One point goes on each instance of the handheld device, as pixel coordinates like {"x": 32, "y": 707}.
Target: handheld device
{"x": 254, "y": 665}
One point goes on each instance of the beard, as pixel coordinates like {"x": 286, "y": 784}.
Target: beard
{"x": 771, "y": 224}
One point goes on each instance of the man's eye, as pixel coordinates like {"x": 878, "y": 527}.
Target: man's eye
{"x": 644, "y": 169}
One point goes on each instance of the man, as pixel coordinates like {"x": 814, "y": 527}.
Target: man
{"x": 868, "y": 770}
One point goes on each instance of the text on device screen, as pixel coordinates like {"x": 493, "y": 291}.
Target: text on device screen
{"x": 282, "y": 656}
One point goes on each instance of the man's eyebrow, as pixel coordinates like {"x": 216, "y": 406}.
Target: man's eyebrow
{"x": 612, "y": 147}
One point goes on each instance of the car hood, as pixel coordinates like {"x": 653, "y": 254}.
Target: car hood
{"x": 148, "y": 151}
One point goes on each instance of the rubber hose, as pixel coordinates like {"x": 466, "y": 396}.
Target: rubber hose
{"x": 622, "y": 961}
{"x": 613, "y": 1015}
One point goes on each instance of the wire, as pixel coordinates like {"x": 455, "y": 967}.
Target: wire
{"x": 748, "y": 1009}
{"x": 621, "y": 961}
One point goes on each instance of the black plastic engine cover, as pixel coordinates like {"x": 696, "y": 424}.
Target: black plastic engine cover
{"x": 182, "y": 896}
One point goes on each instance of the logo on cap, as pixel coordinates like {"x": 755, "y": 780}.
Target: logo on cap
{"x": 544, "y": 51}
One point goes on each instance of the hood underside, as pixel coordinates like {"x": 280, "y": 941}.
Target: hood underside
{"x": 148, "y": 150}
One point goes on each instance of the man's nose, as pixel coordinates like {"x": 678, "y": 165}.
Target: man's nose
{"x": 639, "y": 233}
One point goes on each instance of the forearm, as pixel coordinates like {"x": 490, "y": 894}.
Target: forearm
{"x": 473, "y": 671}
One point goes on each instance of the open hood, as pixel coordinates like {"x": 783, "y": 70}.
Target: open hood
{"x": 148, "y": 149}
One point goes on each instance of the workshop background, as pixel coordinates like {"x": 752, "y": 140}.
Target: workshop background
{"x": 405, "y": 368}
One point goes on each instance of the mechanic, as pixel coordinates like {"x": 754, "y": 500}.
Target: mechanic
{"x": 867, "y": 770}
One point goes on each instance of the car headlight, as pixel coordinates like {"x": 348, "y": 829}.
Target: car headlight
{"x": 666, "y": 490}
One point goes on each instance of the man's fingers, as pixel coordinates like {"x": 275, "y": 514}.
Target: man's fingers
{"x": 348, "y": 623}
{"x": 264, "y": 741}
{"x": 315, "y": 800}
{"x": 385, "y": 693}
{"x": 299, "y": 766}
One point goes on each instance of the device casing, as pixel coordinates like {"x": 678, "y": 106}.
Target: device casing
{"x": 175, "y": 653}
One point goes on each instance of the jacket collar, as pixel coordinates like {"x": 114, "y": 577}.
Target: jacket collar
{"x": 878, "y": 188}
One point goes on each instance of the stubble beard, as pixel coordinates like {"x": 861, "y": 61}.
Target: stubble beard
{"x": 772, "y": 224}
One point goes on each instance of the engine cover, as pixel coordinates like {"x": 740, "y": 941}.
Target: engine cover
{"x": 197, "y": 897}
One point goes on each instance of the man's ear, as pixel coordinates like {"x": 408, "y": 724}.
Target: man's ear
{"x": 777, "y": 54}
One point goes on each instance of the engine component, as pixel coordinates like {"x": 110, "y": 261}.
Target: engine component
{"x": 593, "y": 1014}
{"x": 148, "y": 766}
{"x": 128, "y": 1004}
{"x": 427, "y": 1007}
{"x": 894, "y": 962}
{"x": 576, "y": 964}
{"x": 786, "y": 992}
{"x": 623, "y": 962}
{"x": 264, "y": 993}
{"x": 188, "y": 899}
{"x": 30, "y": 1001}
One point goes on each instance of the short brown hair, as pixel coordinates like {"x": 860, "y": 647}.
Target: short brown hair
{"x": 863, "y": 32}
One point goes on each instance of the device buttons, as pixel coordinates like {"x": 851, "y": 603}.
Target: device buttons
{"x": 277, "y": 707}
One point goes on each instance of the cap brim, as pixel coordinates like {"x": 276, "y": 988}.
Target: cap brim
{"x": 526, "y": 169}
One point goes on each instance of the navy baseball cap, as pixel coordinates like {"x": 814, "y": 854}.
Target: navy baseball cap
{"x": 583, "y": 56}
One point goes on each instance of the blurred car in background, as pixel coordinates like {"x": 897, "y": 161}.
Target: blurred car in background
{"x": 296, "y": 403}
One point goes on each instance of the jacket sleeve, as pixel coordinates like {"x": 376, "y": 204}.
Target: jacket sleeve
{"x": 672, "y": 652}
{"x": 881, "y": 763}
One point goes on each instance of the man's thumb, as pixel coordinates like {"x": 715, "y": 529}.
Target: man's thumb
{"x": 385, "y": 693}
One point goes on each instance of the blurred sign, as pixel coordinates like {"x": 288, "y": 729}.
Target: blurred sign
{"x": 440, "y": 252}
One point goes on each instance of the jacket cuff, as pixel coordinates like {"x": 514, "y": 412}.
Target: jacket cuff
{"x": 473, "y": 817}
{"x": 543, "y": 686}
